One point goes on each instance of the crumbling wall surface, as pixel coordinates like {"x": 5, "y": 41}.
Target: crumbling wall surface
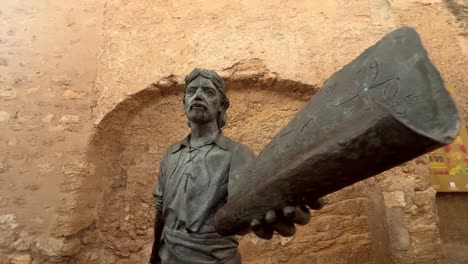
{"x": 301, "y": 42}
{"x": 48, "y": 61}
{"x": 453, "y": 215}
{"x": 306, "y": 41}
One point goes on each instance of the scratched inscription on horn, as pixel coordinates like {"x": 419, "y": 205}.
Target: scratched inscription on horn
{"x": 391, "y": 98}
{"x": 363, "y": 77}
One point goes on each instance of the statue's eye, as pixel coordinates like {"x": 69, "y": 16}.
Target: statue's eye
{"x": 191, "y": 91}
{"x": 211, "y": 93}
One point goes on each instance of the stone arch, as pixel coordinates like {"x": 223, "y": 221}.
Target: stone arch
{"x": 130, "y": 139}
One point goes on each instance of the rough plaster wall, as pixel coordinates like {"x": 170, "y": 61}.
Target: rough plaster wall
{"x": 48, "y": 62}
{"x": 145, "y": 41}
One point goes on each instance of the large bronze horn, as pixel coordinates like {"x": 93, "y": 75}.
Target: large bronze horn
{"x": 386, "y": 107}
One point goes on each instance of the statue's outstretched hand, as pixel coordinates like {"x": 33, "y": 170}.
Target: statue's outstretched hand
{"x": 283, "y": 220}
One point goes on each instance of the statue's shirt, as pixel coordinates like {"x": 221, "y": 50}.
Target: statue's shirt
{"x": 193, "y": 184}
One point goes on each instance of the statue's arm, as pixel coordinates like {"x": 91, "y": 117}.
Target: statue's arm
{"x": 242, "y": 159}
{"x": 281, "y": 220}
{"x": 158, "y": 228}
{"x": 159, "y": 220}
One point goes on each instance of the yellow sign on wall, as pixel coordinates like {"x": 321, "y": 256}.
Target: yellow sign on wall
{"x": 449, "y": 165}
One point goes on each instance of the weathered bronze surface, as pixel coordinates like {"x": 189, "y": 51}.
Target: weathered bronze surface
{"x": 197, "y": 176}
{"x": 386, "y": 107}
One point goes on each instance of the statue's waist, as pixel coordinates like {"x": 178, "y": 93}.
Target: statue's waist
{"x": 197, "y": 236}
{"x": 203, "y": 246}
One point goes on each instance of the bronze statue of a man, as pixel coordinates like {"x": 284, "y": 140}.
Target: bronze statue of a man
{"x": 198, "y": 175}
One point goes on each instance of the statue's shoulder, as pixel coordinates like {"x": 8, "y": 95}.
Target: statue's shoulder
{"x": 238, "y": 148}
{"x": 242, "y": 159}
{"x": 174, "y": 148}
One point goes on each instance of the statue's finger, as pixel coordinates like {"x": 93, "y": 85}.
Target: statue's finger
{"x": 244, "y": 232}
{"x": 255, "y": 224}
{"x": 285, "y": 228}
{"x": 302, "y": 215}
{"x": 289, "y": 212}
{"x": 317, "y": 204}
{"x": 271, "y": 217}
{"x": 297, "y": 214}
{"x": 261, "y": 230}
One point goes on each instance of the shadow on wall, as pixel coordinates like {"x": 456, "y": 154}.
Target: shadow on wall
{"x": 131, "y": 139}
{"x": 125, "y": 151}
{"x": 453, "y": 215}
{"x": 459, "y": 9}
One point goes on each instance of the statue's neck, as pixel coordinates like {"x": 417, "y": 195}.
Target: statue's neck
{"x": 203, "y": 133}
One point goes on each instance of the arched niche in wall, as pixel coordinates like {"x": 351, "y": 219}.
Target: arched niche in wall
{"x": 131, "y": 139}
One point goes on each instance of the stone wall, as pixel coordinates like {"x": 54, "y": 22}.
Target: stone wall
{"x": 48, "y": 61}
{"x": 453, "y": 215}
{"x": 91, "y": 95}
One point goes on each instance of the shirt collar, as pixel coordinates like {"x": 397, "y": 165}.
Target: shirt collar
{"x": 221, "y": 141}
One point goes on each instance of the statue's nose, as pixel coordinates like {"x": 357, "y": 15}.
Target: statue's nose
{"x": 198, "y": 95}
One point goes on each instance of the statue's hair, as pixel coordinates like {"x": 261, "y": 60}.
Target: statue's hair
{"x": 218, "y": 82}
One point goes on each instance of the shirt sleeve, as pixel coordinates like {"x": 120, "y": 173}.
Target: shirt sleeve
{"x": 242, "y": 159}
{"x": 158, "y": 196}
{"x": 158, "y": 191}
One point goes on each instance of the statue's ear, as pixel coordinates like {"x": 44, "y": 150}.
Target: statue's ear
{"x": 221, "y": 117}
{"x": 221, "y": 107}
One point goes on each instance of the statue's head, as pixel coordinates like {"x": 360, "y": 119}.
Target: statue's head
{"x": 205, "y": 97}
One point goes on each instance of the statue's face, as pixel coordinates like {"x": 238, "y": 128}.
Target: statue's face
{"x": 202, "y": 101}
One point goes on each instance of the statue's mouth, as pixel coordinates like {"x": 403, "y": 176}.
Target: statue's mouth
{"x": 198, "y": 106}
